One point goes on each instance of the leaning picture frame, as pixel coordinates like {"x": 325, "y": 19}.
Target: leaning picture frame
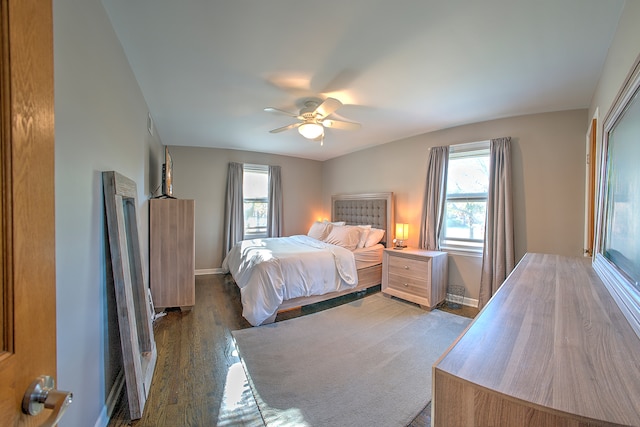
{"x": 616, "y": 256}
{"x": 135, "y": 315}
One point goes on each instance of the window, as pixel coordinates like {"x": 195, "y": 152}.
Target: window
{"x": 255, "y": 191}
{"x": 466, "y": 200}
{"x": 617, "y": 248}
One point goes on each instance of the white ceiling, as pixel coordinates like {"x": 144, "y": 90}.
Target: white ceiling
{"x": 208, "y": 68}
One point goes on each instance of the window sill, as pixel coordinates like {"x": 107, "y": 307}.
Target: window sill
{"x": 254, "y": 236}
{"x": 474, "y": 253}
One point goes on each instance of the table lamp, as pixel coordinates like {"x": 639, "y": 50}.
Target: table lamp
{"x": 402, "y": 234}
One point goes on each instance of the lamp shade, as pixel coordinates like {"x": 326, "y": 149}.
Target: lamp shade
{"x": 310, "y": 130}
{"x": 402, "y": 231}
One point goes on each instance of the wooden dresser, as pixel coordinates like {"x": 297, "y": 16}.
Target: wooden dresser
{"x": 415, "y": 275}
{"x": 172, "y": 253}
{"x": 551, "y": 348}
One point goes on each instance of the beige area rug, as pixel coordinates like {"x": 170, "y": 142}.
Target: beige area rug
{"x": 366, "y": 363}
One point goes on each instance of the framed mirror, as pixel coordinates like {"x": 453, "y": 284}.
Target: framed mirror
{"x": 139, "y": 352}
{"x": 617, "y": 242}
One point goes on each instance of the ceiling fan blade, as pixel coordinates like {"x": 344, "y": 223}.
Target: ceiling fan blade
{"x": 328, "y": 106}
{"x": 341, "y": 81}
{"x": 276, "y": 110}
{"x": 338, "y": 124}
{"x": 282, "y": 129}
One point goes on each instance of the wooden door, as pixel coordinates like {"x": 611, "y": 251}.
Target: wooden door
{"x": 27, "y": 266}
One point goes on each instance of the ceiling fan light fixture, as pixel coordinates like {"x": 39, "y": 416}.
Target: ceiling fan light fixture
{"x": 311, "y": 130}
{"x": 313, "y": 119}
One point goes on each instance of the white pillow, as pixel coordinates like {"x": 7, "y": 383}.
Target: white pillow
{"x": 363, "y": 235}
{"x": 338, "y": 223}
{"x": 346, "y": 236}
{"x": 319, "y": 230}
{"x": 374, "y": 237}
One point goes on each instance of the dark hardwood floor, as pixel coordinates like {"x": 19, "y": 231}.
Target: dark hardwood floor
{"x": 198, "y": 379}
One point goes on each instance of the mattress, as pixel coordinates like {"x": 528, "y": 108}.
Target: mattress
{"x": 367, "y": 257}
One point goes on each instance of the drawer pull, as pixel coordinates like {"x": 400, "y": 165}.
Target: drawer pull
{"x": 406, "y": 267}
{"x": 406, "y": 285}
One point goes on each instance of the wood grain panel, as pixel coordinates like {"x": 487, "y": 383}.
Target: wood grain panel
{"x": 134, "y": 315}
{"x": 418, "y": 288}
{"x": 27, "y": 223}
{"x": 413, "y": 268}
{"x": 550, "y": 343}
{"x": 172, "y": 253}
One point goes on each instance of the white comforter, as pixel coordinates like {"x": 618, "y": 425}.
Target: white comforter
{"x": 269, "y": 271}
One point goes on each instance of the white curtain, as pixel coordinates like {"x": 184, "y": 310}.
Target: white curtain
{"x": 434, "y": 198}
{"x": 234, "y": 208}
{"x": 498, "y": 259}
{"x": 274, "y": 218}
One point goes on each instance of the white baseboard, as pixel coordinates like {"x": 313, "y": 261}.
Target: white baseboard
{"x": 465, "y": 301}
{"x": 112, "y": 400}
{"x": 209, "y": 271}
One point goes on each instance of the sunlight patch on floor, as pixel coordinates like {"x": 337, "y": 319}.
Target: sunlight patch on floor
{"x": 238, "y": 407}
{"x": 291, "y": 417}
{"x": 235, "y": 386}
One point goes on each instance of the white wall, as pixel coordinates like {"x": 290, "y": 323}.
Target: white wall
{"x": 201, "y": 174}
{"x": 548, "y": 179}
{"x": 101, "y": 124}
{"x": 622, "y": 54}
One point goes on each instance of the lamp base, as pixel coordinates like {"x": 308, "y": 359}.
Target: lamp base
{"x": 398, "y": 244}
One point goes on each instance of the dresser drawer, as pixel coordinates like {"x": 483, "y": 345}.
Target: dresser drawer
{"x": 414, "y": 286}
{"x": 409, "y": 268}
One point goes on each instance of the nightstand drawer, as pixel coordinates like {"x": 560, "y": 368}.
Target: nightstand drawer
{"x": 409, "y": 268}
{"x": 414, "y": 286}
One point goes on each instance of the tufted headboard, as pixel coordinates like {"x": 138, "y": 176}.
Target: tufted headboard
{"x": 376, "y": 209}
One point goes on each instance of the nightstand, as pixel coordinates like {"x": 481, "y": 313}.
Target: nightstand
{"x": 415, "y": 275}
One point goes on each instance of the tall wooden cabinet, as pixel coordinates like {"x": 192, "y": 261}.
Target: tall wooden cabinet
{"x": 172, "y": 253}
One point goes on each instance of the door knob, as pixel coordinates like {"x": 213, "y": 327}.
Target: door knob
{"x": 42, "y": 394}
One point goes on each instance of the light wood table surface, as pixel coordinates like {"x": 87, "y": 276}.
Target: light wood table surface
{"x": 551, "y": 348}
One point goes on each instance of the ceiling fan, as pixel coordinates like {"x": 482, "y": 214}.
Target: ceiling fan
{"x": 313, "y": 119}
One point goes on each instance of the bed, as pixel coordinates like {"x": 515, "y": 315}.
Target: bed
{"x": 277, "y": 274}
